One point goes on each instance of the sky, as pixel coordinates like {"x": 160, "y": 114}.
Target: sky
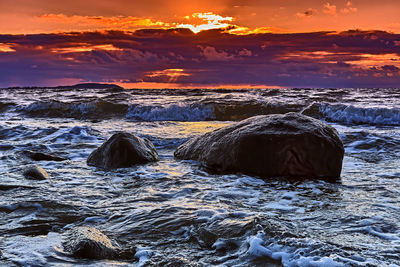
{"x": 200, "y": 44}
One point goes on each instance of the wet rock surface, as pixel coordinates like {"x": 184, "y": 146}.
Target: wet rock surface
{"x": 123, "y": 150}
{"x": 90, "y": 243}
{"x": 289, "y": 145}
{"x": 39, "y": 156}
{"x": 35, "y": 173}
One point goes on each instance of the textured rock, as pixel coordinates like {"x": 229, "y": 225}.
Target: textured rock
{"x": 90, "y": 243}
{"x": 123, "y": 150}
{"x": 279, "y": 145}
{"x": 38, "y": 156}
{"x": 35, "y": 173}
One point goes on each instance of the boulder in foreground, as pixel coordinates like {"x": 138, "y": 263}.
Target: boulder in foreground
{"x": 278, "y": 145}
{"x": 35, "y": 173}
{"x": 123, "y": 150}
{"x": 90, "y": 243}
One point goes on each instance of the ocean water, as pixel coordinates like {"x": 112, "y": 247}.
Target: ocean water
{"x": 176, "y": 213}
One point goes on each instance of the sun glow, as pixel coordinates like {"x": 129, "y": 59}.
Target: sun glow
{"x": 6, "y": 48}
{"x": 371, "y": 60}
{"x": 85, "y": 48}
{"x": 213, "y": 21}
{"x": 172, "y": 74}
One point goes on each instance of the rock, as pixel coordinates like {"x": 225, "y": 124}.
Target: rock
{"x": 38, "y": 156}
{"x": 123, "y": 150}
{"x": 174, "y": 262}
{"x": 5, "y": 187}
{"x": 35, "y": 173}
{"x": 279, "y": 145}
{"x": 90, "y": 243}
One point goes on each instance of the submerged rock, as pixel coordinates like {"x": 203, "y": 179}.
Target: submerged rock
{"x": 123, "y": 150}
{"x": 90, "y": 243}
{"x": 35, "y": 173}
{"x": 38, "y": 156}
{"x": 278, "y": 145}
{"x": 174, "y": 261}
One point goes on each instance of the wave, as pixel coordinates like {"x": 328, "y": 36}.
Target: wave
{"x": 240, "y": 111}
{"x": 349, "y": 114}
{"x": 210, "y": 109}
{"x": 89, "y": 110}
{"x": 5, "y": 106}
{"x": 172, "y": 112}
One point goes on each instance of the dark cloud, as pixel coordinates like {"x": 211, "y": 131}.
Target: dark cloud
{"x": 320, "y": 59}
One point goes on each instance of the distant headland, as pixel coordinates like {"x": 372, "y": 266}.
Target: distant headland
{"x": 76, "y": 86}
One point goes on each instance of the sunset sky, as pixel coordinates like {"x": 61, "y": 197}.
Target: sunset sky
{"x": 192, "y": 44}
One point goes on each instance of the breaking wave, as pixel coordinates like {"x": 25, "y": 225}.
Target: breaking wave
{"x": 172, "y": 112}
{"x": 88, "y": 110}
{"x": 223, "y": 108}
{"x": 349, "y": 114}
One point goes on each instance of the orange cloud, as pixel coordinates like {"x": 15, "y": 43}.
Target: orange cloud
{"x": 330, "y": 9}
{"x": 238, "y": 30}
{"x": 6, "y": 48}
{"x": 101, "y": 22}
{"x": 349, "y": 8}
{"x": 173, "y": 85}
{"x": 85, "y": 48}
{"x": 171, "y": 74}
{"x": 372, "y": 60}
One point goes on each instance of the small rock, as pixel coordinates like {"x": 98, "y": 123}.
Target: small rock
{"x": 123, "y": 150}
{"x": 38, "y": 156}
{"x": 174, "y": 262}
{"x": 4, "y": 187}
{"x": 90, "y": 243}
{"x": 35, "y": 173}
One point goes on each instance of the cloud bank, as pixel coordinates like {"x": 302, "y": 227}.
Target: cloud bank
{"x": 181, "y": 58}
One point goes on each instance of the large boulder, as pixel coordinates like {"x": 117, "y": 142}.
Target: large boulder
{"x": 123, "y": 150}
{"x": 279, "y": 145}
{"x": 90, "y": 243}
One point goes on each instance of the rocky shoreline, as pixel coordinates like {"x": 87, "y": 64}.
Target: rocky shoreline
{"x": 290, "y": 145}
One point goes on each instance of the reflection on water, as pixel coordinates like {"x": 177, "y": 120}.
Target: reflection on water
{"x": 176, "y": 213}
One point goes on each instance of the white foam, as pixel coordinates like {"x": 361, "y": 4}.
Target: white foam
{"x": 387, "y": 236}
{"x": 31, "y": 251}
{"x": 352, "y": 115}
{"x": 250, "y": 181}
{"x": 143, "y": 254}
{"x": 258, "y": 248}
{"x": 318, "y": 262}
{"x": 282, "y": 205}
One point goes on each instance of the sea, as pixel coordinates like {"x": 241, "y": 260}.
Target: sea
{"x": 176, "y": 213}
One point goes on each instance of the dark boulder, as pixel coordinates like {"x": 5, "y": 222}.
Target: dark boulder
{"x": 123, "y": 150}
{"x": 90, "y": 243}
{"x": 279, "y": 145}
{"x": 35, "y": 173}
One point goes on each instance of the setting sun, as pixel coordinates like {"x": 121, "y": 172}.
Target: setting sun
{"x": 213, "y": 22}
